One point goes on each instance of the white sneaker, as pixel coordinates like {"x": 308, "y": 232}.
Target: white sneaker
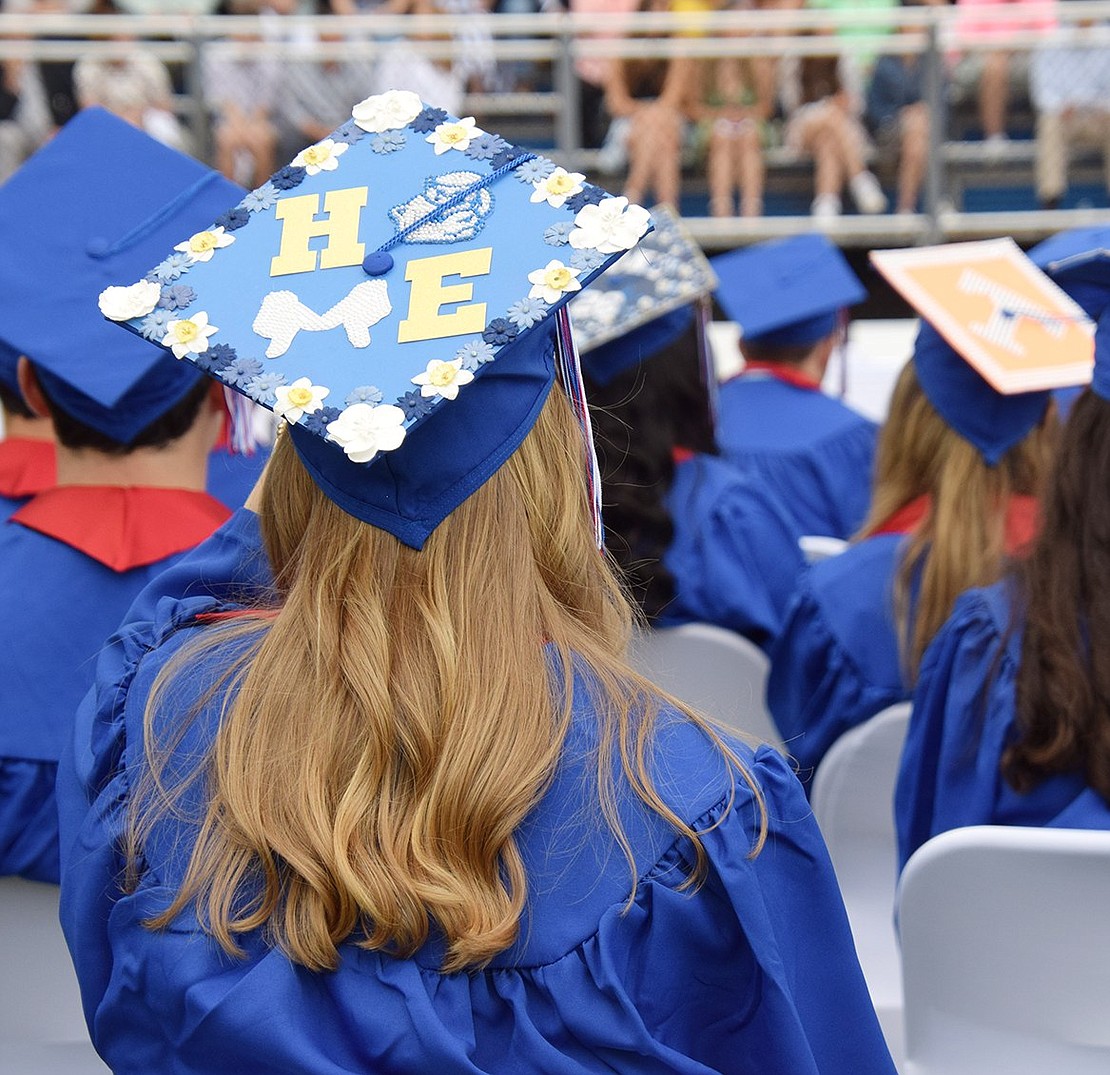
{"x": 866, "y": 193}
{"x": 825, "y": 207}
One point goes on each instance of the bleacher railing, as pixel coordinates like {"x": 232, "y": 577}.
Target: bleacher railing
{"x": 971, "y": 189}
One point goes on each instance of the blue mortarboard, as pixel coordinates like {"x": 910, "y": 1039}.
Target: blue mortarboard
{"x": 1079, "y": 262}
{"x": 991, "y": 421}
{"x": 788, "y": 292}
{"x": 98, "y": 203}
{"x": 396, "y": 294}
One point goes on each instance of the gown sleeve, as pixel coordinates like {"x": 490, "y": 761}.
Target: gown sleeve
{"x": 816, "y": 689}
{"x": 962, "y": 715}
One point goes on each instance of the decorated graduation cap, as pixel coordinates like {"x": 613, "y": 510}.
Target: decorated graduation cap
{"x": 99, "y": 203}
{"x": 995, "y": 335}
{"x": 1079, "y": 262}
{"x": 396, "y": 294}
{"x": 786, "y": 293}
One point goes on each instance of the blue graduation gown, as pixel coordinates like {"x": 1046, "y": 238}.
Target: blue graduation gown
{"x": 814, "y": 453}
{"x": 755, "y": 972}
{"x": 232, "y": 476}
{"x": 963, "y": 719}
{"x": 734, "y": 556}
{"x": 836, "y": 662}
{"x": 64, "y": 605}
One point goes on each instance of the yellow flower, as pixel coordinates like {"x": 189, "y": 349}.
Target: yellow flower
{"x": 443, "y": 379}
{"x": 553, "y": 281}
{"x": 204, "y": 244}
{"x": 188, "y": 334}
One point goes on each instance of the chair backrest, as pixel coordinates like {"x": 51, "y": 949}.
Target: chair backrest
{"x": 853, "y": 801}
{"x": 1006, "y": 952}
{"x": 714, "y": 671}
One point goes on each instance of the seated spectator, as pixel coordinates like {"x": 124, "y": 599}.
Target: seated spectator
{"x": 654, "y": 95}
{"x": 824, "y": 124}
{"x": 414, "y": 812}
{"x": 1070, "y": 88}
{"x": 898, "y": 117}
{"x": 133, "y": 429}
{"x": 1010, "y": 715}
{"x": 774, "y": 423}
{"x": 951, "y": 503}
{"x": 735, "y": 105}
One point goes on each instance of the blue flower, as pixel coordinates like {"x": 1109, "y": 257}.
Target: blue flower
{"x": 264, "y": 198}
{"x": 233, "y": 219}
{"x": 317, "y": 422}
{"x": 475, "y": 353}
{"x": 153, "y": 326}
{"x": 414, "y": 404}
{"x": 388, "y": 142}
{"x": 428, "y": 120}
{"x": 176, "y": 297}
{"x": 366, "y": 393}
{"x": 261, "y": 388}
{"x": 532, "y": 171}
{"x": 240, "y": 372}
{"x": 485, "y": 147}
{"x": 350, "y": 133}
{"x": 586, "y": 260}
{"x": 588, "y": 195}
{"x": 288, "y": 177}
{"x": 500, "y": 332}
{"x": 215, "y": 358}
{"x": 558, "y": 234}
{"x": 505, "y": 156}
{"x": 165, "y": 272}
{"x": 528, "y": 312}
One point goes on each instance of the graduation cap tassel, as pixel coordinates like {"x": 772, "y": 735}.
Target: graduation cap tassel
{"x": 570, "y": 376}
{"x": 241, "y": 439}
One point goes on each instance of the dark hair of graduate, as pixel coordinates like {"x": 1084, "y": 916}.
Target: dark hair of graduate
{"x": 171, "y": 424}
{"x": 1063, "y": 684}
{"x": 640, "y": 418}
{"x": 14, "y": 403}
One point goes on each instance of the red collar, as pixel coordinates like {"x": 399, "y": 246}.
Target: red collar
{"x": 1022, "y": 521}
{"x": 123, "y": 527}
{"x": 26, "y": 467}
{"x": 681, "y": 455}
{"x": 786, "y": 374}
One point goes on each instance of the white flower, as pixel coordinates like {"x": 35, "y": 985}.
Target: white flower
{"x": 443, "y": 379}
{"x": 557, "y": 187}
{"x": 456, "y": 135}
{"x": 204, "y": 244}
{"x": 387, "y": 111}
{"x": 188, "y": 334}
{"x": 123, "y": 303}
{"x": 552, "y": 281}
{"x": 363, "y": 430}
{"x": 609, "y": 227}
{"x": 322, "y": 157}
{"x": 298, "y": 399}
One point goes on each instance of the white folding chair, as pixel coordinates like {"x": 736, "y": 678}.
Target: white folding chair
{"x": 853, "y": 801}
{"x": 42, "y": 1028}
{"x": 714, "y": 671}
{"x": 1006, "y": 952}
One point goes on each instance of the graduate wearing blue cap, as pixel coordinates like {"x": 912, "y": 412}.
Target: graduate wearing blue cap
{"x": 814, "y": 453}
{"x": 958, "y": 467}
{"x": 134, "y": 429}
{"x": 27, "y": 450}
{"x": 432, "y": 723}
{"x": 695, "y": 540}
{"x": 1009, "y": 715}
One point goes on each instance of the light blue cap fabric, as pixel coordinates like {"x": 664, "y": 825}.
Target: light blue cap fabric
{"x": 1079, "y": 262}
{"x": 395, "y": 294}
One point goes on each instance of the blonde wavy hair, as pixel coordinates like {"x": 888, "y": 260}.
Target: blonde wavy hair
{"x": 962, "y": 542}
{"x": 392, "y": 725}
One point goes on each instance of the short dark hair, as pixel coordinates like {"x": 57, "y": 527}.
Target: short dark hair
{"x": 790, "y": 354}
{"x": 14, "y": 403}
{"x": 173, "y": 423}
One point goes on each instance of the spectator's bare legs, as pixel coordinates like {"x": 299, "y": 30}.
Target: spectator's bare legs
{"x": 254, "y": 135}
{"x": 735, "y": 162}
{"x": 828, "y": 161}
{"x": 749, "y": 167}
{"x": 654, "y": 153}
{"x": 914, "y": 154}
{"x": 994, "y": 92}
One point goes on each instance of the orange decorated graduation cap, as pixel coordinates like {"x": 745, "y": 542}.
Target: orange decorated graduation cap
{"x": 396, "y": 294}
{"x": 996, "y": 335}
{"x": 94, "y": 204}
